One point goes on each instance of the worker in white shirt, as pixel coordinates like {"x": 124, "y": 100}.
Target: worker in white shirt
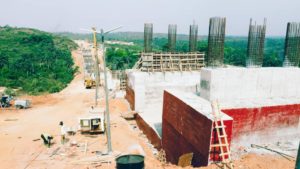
{"x": 62, "y": 132}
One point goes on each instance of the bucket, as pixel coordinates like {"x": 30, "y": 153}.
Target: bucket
{"x": 130, "y": 162}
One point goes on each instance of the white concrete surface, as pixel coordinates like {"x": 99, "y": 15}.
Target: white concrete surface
{"x": 153, "y": 116}
{"x": 111, "y": 83}
{"x": 251, "y": 87}
{"x": 149, "y": 87}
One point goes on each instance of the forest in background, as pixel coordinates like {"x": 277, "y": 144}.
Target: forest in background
{"x": 35, "y": 61}
{"x": 39, "y": 62}
{"x": 120, "y": 57}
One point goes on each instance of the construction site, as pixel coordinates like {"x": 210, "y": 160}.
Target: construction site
{"x": 171, "y": 110}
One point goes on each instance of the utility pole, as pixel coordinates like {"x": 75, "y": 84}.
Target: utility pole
{"x": 97, "y": 71}
{"x": 107, "y": 117}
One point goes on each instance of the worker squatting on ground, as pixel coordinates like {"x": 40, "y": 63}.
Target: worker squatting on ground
{"x": 47, "y": 139}
{"x": 62, "y": 132}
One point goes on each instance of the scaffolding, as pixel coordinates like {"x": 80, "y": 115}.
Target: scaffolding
{"x": 121, "y": 76}
{"x": 216, "y": 38}
{"x": 193, "y": 38}
{"x": 162, "y": 62}
{"x": 172, "y": 31}
{"x": 292, "y": 45}
{"x": 88, "y": 62}
{"x": 256, "y": 41}
{"x": 148, "y": 36}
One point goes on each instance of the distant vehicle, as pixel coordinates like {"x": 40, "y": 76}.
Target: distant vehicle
{"x": 89, "y": 83}
{"x": 93, "y": 122}
{"x": 5, "y": 101}
{"x": 22, "y": 104}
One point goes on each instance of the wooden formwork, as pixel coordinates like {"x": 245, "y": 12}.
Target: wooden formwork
{"x": 160, "y": 62}
{"x": 120, "y": 75}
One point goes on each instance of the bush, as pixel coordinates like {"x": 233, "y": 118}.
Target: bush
{"x": 10, "y": 92}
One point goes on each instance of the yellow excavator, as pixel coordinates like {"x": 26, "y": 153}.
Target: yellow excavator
{"x": 89, "y": 82}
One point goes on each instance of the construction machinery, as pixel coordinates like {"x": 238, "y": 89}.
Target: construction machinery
{"x": 5, "y": 101}
{"x": 89, "y": 81}
{"x": 93, "y": 122}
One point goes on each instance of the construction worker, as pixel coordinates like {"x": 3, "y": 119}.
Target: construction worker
{"x": 62, "y": 132}
{"x": 47, "y": 139}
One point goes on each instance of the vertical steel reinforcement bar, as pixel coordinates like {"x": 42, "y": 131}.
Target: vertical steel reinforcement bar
{"x": 172, "y": 31}
{"x": 193, "y": 38}
{"x": 256, "y": 41}
{"x": 292, "y": 45}
{"x": 148, "y": 36}
{"x": 216, "y": 39}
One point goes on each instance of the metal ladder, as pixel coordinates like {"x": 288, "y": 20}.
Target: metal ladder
{"x": 222, "y": 144}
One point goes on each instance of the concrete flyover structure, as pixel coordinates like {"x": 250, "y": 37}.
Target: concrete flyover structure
{"x": 257, "y": 103}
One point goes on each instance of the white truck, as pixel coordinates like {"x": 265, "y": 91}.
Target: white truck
{"x": 22, "y": 104}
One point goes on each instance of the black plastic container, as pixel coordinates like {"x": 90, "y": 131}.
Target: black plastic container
{"x": 130, "y": 162}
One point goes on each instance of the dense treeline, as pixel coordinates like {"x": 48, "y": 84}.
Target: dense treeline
{"x": 35, "y": 61}
{"x": 235, "y": 50}
{"x": 120, "y": 57}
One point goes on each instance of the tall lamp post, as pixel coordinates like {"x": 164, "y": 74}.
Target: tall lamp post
{"x": 107, "y": 117}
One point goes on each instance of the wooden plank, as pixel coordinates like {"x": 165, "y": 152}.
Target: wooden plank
{"x": 185, "y": 160}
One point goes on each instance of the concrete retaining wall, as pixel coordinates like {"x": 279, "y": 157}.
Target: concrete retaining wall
{"x": 148, "y": 87}
{"x": 188, "y": 127}
{"x": 130, "y": 97}
{"x": 231, "y": 84}
{"x": 248, "y": 120}
{"x": 258, "y": 99}
{"x": 149, "y": 132}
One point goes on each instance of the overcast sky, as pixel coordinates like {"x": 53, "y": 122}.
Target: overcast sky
{"x": 71, "y": 15}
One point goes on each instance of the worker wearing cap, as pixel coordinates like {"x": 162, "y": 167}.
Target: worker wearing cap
{"x": 62, "y": 132}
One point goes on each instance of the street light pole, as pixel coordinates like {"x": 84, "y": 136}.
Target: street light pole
{"x": 107, "y": 118}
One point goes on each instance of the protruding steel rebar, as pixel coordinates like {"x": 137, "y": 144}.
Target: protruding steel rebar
{"x": 172, "y": 31}
{"x": 256, "y": 41}
{"x": 216, "y": 38}
{"x": 148, "y": 36}
{"x": 292, "y": 45}
{"x": 193, "y": 38}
